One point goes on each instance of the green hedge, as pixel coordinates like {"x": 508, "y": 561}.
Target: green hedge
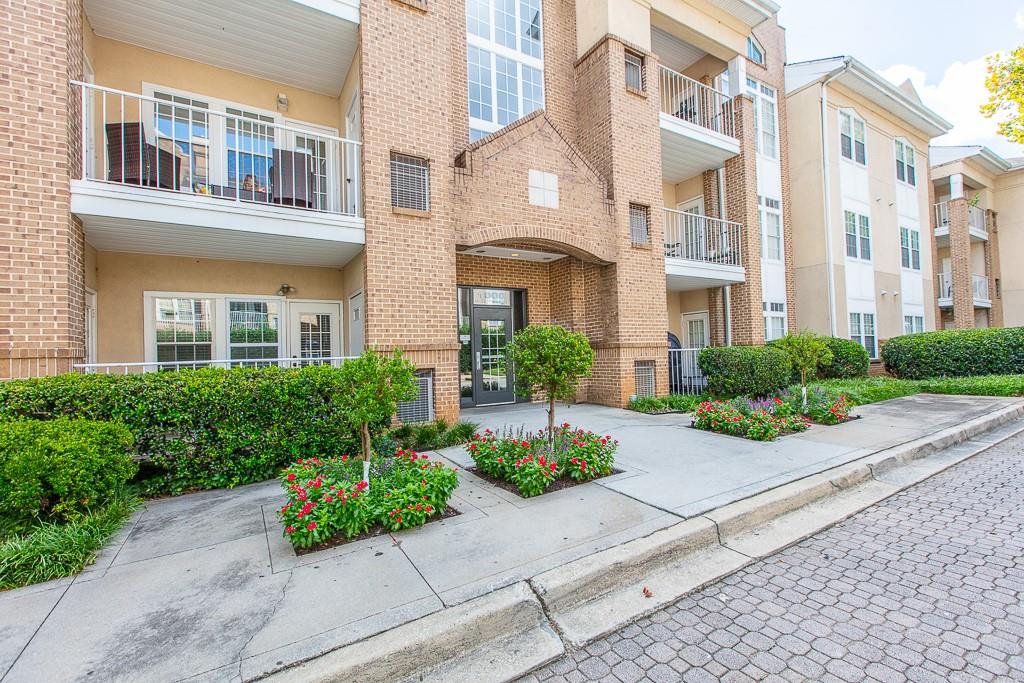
{"x": 60, "y": 469}
{"x": 849, "y": 360}
{"x": 204, "y": 428}
{"x": 956, "y": 353}
{"x": 745, "y": 370}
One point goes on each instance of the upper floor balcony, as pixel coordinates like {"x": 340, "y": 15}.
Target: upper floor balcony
{"x": 977, "y": 226}
{"x": 979, "y": 290}
{"x": 701, "y": 251}
{"x": 697, "y": 126}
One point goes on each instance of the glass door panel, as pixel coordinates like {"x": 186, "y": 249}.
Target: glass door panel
{"x": 493, "y": 382}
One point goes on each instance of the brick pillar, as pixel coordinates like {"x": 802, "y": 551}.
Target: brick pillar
{"x": 741, "y": 206}
{"x": 619, "y": 134}
{"x": 410, "y": 257}
{"x": 42, "y": 301}
{"x": 936, "y": 266}
{"x": 960, "y": 260}
{"x": 993, "y": 269}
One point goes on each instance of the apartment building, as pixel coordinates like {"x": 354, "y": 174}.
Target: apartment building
{"x": 977, "y": 228}
{"x": 863, "y": 256}
{"x": 291, "y": 181}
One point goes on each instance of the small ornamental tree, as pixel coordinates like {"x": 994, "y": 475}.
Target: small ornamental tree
{"x": 806, "y": 352}
{"x": 550, "y": 360}
{"x": 371, "y": 386}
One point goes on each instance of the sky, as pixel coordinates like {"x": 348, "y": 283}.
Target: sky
{"x": 940, "y": 45}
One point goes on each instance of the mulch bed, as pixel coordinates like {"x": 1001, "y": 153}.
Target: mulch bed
{"x": 372, "y": 532}
{"x": 557, "y": 485}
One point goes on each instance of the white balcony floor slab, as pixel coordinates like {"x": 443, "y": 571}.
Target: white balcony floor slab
{"x": 688, "y": 149}
{"x": 682, "y": 275}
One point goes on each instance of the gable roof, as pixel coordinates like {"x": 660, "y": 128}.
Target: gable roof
{"x": 867, "y": 83}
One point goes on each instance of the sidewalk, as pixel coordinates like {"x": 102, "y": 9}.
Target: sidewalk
{"x": 204, "y": 586}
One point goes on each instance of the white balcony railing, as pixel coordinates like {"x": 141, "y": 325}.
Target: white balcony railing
{"x": 945, "y": 285}
{"x": 696, "y": 103}
{"x": 976, "y": 218}
{"x": 684, "y": 374}
{"x": 178, "y": 365}
{"x": 979, "y": 287}
{"x": 235, "y": 155}
{"x": 941, "y": 215}
{"x": 694, "y": 237}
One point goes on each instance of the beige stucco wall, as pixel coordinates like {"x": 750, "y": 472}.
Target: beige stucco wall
{"x": 1009, "y": 202}
{"x": 693, "y": 301}
{"x": 977, "y": 181}
{"x": 90, "y": 267}
{"x": 122, "y": 279}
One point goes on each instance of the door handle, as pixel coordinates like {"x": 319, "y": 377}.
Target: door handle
{"x": 478, "y": 361}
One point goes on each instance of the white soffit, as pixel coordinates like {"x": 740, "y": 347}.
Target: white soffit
{"x": 673, "y": 52}
{"x": 515, "y": 254}
{"x": 308, "y": 44}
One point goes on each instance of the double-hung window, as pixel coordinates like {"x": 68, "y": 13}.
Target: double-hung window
{"x": 755, "y": 52}
{"x": 906, "y": 163}
{"x": 853, "y": 138}
{"x": 774, "y": 319}
{"x": 910, "y": 248}
{"x": 766, "y": 118}
{"x": 862, "y": 331}
{"x": 858, "y": 235}
{"x": 913, "y": 324}
{"x": 771, "y": 228}
{"x": 505, "y": 61}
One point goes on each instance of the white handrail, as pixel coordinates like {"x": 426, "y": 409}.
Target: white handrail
{"x": 223, "y": 363}
{"x": 696, "y": 237}
{"x": 696, "y": 103}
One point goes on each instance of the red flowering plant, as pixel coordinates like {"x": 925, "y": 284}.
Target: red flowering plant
{"x": 584, "y": 455}
{"x": 827, "y": 407}
{"x": 533, "y": 474}
{"x": 760, "y": 420}
{"x": 496, "y": 454}
{"x": 328, "y": 497}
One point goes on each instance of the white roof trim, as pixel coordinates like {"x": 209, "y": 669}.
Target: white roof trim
{"x": 941, "y": 155}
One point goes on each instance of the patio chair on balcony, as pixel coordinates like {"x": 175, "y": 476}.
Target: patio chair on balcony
{"x": 292, "y": 180}
{"x": 133, "y": 161}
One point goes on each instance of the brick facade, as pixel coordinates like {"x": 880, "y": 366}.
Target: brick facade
{"x": 960, "y": 263}
{"x": 993, "y": 267}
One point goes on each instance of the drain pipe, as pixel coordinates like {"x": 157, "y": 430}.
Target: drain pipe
{"x": 827, "y": 180}
{"x": 726, "y": 300}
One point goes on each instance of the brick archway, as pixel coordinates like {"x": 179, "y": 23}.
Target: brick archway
{"x": 543, "y": 238}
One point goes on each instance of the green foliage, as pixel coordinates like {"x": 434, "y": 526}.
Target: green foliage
{"x": 1005, "y": 85}
{"x": 759, "y": 420}
{"x": 683, "y": 403}
{"x": 866, "y": 390}
{"x": 60, "y": 469}
{"x": 51, "y": 550}
{"x": 849, "y": 359}
{"x": 807, "y": 351}
{"x": 984, "y": 385}
{"x": 956, "y": 353}
{"x": 372, "y": 385}
{"x": 207, "y": 428}
{"x": 430, "y": 436}
{"x": 550, "y": 360}
{"x": 745, "y": 370}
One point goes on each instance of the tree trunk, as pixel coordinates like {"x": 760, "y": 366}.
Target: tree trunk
{"x": 551, "y": 424}
{"x": 367, "y": 441}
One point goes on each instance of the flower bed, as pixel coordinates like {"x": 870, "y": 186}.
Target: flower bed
{"x": 767, "y": 419}
{"x": 531, "y": 466}
{"x": 328, "y": 501}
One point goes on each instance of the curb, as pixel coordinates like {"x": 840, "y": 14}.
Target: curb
{"x": 506, "y": 634}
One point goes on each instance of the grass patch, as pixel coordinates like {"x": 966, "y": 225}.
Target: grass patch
{"x": 681, "y": 403}
{"x": 981, "y": 385}
{"x": 864, "y": 390}
{"x": 50, "y": 550}
{"x": 873, "y": 389}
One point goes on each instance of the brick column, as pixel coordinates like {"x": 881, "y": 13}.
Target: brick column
{"x": 42, "y": 301}
{"x": 960, "y": 260}
{"x": 993, "y": 269}
{"x": 741, "y": 206}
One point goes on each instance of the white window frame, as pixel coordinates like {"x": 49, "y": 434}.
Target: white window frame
{"x": 217, "y": 154}
{"x": 851, "y": 116}
{"x": 764, "y": 210}
{"x": 861, "y": 334}
{"x": 491, "y": 47}
{"x": 861, "y": 221}
{"x": 542, "y": 188}
{"x": 774, "y": 311}
{"x": 764, "y": 95}
{"x": 754, "y": 45}
{"x": 912, "y": 324}
{"x": 907, "y": 249}
{"x": 906, "y": 159}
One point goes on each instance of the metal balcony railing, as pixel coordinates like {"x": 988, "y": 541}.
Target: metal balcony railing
{"x": 976, "y": 218}
{"x": 694, "y": 237}
{"x": 941, "y": 214}
{"x": 684, "y": 374}
{"x": 195, "y": 364}
{"x": 945, "y": 285}
{"x": 696, "y": 103}
{"x": 237, "y": 155}
{"x": 979, "y": 287}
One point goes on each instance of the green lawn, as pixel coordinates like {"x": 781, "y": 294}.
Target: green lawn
{"x": 49, "y": 551}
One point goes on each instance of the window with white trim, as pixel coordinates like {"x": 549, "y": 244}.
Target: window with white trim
{"x": 910, "y": 248}
{"x": 635, "y": 76}
{"x": 906, "y": 163}
{"x": 505, "y": 63}
{"x": 254, "y": 329}
{"x": 770, "y": 214}
{"x": 853, "y": 140}
{"x": 410, "y": 182}
{"x": 858, "y": 235}
{"x": 183, "y": 329}
{"x": 775, "y": 325}
{"x": 766, "y": 118}
{"x": 862, "y": 331}
{"x": 913, "y": 324}
{"x": 755, "y": 52}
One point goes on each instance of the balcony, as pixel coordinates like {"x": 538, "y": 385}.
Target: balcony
{"x": 166, "y": 176}
{"x": 701, "y": 251}
{"x": 976, "y": 223}
{"x": 697, "y": 127}
{"x": 979, "y": 291}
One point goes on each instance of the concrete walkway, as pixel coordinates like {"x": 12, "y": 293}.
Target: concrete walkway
{"x": 204, "y": 586}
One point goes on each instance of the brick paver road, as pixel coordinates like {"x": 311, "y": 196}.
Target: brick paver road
{"x": 925, "y": 586}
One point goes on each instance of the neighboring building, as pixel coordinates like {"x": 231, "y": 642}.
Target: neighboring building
{"x": 863, "y": 259}
{"x": 302, "y": 179}
{"x": 978, "y": 223}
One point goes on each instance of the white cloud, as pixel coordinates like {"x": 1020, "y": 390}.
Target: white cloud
{"x": 1018, "y": 18}
{"x": 957, "y": 97}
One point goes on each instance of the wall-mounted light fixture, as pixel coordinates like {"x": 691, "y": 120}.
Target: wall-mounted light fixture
{"x": 282, "y": 101}
{"x": 285, "y": 289}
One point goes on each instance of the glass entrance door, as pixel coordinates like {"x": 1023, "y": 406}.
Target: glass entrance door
{"x": 492, "y": 372}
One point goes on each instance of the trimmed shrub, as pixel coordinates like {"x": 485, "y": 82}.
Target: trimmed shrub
{"x": 849, "y": 360}
{"x": 60, "y": 469}
{"x": 745, "y": 370}
{"x": 956, "y": 353}
{"x": 205, "y": 428}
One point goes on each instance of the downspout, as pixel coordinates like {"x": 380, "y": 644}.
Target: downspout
{"x": 827, "y": 180}
{"x": 726, "y": 301}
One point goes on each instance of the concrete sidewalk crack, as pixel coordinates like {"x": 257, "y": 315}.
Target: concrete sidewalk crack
{"x": 398, "y": 543}
{"x": 259, "y": 629}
